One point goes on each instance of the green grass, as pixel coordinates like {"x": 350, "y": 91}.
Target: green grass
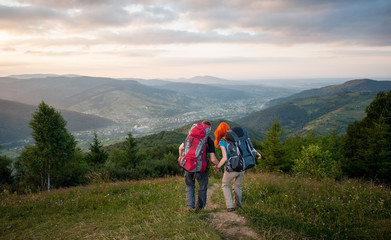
{"x": 284, "y": 207}
{"x": 150, "y": 209}
{"x": 276, "y": 206}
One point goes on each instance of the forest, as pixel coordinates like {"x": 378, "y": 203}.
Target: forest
{"x": 54, "y": 161}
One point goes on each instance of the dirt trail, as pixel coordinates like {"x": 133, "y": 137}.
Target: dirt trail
{"x": 230, "y": 224}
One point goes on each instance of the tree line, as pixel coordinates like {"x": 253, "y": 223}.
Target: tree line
{"x": 55, "y": 161}
{"x": 364, "y": 151}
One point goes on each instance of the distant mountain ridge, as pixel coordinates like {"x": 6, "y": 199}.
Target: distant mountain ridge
{"x": 40, "y": 75}
{"x": 161, "y": 105}
{"x": 358, "y": 85}
{"x": 322, "y": 109}
{"x": 155, "y": 104}
{"x": 15, "y": 118}
{"x": 197, "y": 89}
{"x": 100, "y": 96}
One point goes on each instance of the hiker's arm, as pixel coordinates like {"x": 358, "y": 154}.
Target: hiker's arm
{"x": 259, "y": 155}
{"x": 213, "y": 158}
{"x": 181, "y": 149}
{"x": 224, "y": 158}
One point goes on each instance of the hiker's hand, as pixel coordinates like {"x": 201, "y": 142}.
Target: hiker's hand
{"x": 216, "y": 168}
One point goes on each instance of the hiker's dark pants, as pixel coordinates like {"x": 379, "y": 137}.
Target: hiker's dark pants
{"x": 202, "y": 179}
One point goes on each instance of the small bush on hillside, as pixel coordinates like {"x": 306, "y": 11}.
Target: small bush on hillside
{"x": 315, "y": 162}
{"x": 5, "y": 173}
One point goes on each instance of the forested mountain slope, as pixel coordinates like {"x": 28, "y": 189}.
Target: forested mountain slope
{"x": 359, "y": 85}
{"x": 320, "y": 113}
{"x": 15, "y": 118}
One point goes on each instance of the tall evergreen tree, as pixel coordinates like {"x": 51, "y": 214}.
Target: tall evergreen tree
{"x": 368, "y": 142}
{"x": 53, "y": 144}
{"x": 131, "y": 150}
{"x": 5, "y": 170}
{"x": 97, "y": 154}
{"x": 273, "y": 152}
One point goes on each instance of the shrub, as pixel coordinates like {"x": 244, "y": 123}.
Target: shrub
{"x": 315, "y": 162}
{"x": 5, "y": 170}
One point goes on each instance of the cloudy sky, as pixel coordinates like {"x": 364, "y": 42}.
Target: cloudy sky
{"x": 232, "y": 39}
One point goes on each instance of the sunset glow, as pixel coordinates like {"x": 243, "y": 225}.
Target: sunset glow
{"x": 250, "y": 39}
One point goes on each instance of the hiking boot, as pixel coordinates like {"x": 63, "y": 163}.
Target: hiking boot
{"x": 230, "y": 209}
{"x": 191, "y": 210}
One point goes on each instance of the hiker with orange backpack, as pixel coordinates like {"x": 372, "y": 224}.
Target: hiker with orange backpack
{"x": 193, "y": 159}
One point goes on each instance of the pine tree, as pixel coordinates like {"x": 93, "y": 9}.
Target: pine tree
{"x": 97, "y": 154}
{"x": 368, "y": 142}
{"x": 131, "y": 150}
{"x": 273, "y": 151}
{"x": 5, "y": 170}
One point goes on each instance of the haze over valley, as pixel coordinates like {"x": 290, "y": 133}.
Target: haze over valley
{"x": 122, "y": 106}
{"x": 114, "y": 107}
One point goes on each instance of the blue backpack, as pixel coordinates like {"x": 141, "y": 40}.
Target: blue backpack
{"x": 241, "y": 148}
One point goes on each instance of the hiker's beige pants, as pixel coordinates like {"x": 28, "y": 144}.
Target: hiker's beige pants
{"x": 227, "y": 179}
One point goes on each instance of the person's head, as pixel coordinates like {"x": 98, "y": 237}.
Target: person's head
{"x": 220, "y": 132}
{"x": 207, "y": 122}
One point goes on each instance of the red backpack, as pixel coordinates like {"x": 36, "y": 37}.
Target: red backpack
{"x": 194, "y": 158}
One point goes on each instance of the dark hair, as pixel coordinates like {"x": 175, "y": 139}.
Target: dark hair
{"x": 207, "y": 122}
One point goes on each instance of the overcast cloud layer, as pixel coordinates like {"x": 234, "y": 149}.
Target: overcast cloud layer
{"x": 184, "y": 32}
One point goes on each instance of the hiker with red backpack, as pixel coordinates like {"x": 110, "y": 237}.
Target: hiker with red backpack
{"x": 238, "y": 154}
{"x": 193, "y": 159}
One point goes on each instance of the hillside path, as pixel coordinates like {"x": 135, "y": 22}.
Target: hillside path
{"x": 229, "y": 224}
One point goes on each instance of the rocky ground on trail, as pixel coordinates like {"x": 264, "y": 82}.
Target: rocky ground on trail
{"x": 230, "y": 224}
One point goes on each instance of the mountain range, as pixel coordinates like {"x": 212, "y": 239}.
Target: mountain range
{"x": 322, "y": 109}
{"x": 92, "y": 95}
{"x": 149, "y": 106}
{"x": 156, "y": 105}
{"x": 358, "y": 85}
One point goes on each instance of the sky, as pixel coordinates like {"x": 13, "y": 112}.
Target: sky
{"x": 231, "y": 39}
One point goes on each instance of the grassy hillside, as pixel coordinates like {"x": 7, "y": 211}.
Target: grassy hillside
{"x": 126, "y": 102}
{"x": 320, "y": 113}
{"x": 285, "y": 207}
{"x": 276, "y": 207}
{"x": 153, "y": 209}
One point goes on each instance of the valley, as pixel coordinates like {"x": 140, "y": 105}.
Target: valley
{"x": 112, "y": 108}
{"x": 122, "y": 105}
